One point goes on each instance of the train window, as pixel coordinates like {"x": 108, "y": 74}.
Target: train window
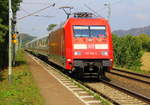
{"x": 81, "y": 31}
{"x": 89, "y": 31}
{"x": 98, "y": 31}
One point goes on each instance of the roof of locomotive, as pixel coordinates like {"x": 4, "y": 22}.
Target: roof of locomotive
{"x": 74, "y": 20}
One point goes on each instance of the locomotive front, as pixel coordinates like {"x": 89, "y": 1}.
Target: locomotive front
{"x": 89, "y": 47}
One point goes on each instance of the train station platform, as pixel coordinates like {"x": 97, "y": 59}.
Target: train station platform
{"x": 52, "y": 91}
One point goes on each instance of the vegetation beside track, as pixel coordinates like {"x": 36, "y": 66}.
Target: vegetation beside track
{"x": 129, "y": 49}
{"x": 146, "y": 62}
{"x": 145, "y": 68}
{"x": 141, "y": 71}
{"x": 23, "y": 90}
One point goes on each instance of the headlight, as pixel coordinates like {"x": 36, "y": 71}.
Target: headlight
{"x": 68, "y": 60}
{"x": 77, "y": 53}
{"x": 104, "y": 53}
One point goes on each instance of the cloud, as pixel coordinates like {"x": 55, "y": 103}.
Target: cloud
{"x": 142, "y": 17}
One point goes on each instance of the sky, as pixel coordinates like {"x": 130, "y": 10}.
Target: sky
{"x": 125, "y": 14}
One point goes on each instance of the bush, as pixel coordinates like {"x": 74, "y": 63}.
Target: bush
{"x": 145, "y": 39}
{"x": 127, "y": 51}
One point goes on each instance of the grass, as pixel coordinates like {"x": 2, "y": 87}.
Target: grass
{"x": 146, "y": 62}
{"x": 136, "y": 70}
{"x": 23, "y": 90}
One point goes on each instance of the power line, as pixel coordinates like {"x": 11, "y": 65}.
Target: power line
{"x": 70, "y": 2}
{"x": 24, "y": 10}
{"x": 36, "y": 12}
{"x": 36, "y": 3}
{"x": 117, "y": 2}
{"x": 44, "y": 16}
{"x": 108, "y": 6}
{"x": 112, "y": 4}
{"x": 92, "y": 10}
{"x": 77, "y": 8}
{"x": 37, "y": 15}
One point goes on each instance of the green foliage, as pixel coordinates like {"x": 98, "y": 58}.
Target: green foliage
{"x": 145, "y": 41}
{"x": 127, "y": 51}
{"x": 51, "y": 26}
{"x": 4, "y": 29}
{"x": 23, "y": 91}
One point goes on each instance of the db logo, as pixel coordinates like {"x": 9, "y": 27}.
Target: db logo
{"x": 91, "y": 46}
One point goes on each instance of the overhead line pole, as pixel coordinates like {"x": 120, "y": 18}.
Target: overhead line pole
{"x": 10, "y": 44}
{"x": 109, "y": 10}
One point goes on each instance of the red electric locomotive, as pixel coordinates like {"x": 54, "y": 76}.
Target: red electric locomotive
{"x": 83, "y": 45}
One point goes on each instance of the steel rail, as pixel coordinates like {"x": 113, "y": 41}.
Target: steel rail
{"x": 131, "y": 93}
{"x": 127, "y": 91}
{"x": 57, "y": 67}
{"x": 133, "y": 73}
{"x": 139, "y": 80}
{"x": 98, "y": 92}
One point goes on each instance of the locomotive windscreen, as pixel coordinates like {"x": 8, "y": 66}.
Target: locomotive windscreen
{"x": 81, "y": 31}
{"x": 89, "y": 31}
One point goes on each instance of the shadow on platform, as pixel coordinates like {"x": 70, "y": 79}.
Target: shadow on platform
{"x": 19, "y": 63}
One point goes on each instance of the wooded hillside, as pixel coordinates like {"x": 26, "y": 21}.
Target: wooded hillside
{"x": 133, "y": 31}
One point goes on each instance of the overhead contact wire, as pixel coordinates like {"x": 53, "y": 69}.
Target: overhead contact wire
{"x": 34, "y": 13}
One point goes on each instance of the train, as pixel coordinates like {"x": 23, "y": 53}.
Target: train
{"x": 82, "y": 46}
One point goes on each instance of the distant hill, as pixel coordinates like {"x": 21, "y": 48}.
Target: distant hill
{"x": 26, "y": 38}
{"x": 133, "y": 31}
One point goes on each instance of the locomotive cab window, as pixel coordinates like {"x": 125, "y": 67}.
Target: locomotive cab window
{"x": 89, "y": 31}
{"x": 81, "y": 31}
{"x": 98, "y": 31}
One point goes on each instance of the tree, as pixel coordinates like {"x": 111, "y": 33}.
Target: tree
{"x": 51, "y": 26}
{"x": 127, "y": 51}
{"x": 4, "y": 29}
{"x": 145, "y": 39}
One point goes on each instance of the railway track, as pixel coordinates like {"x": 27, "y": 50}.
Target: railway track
{"x": 131, "y": 75}
{"x": 97, "y": 91}
{"x": 127, "y": 91}
{"x": 118, "y": 95}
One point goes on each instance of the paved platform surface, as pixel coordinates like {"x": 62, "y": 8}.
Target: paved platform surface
{"x": 52, "y": 91}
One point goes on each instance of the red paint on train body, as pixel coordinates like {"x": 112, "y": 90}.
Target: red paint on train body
{"x": 82, "y": 44}
{"x": 87, "y": 47}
